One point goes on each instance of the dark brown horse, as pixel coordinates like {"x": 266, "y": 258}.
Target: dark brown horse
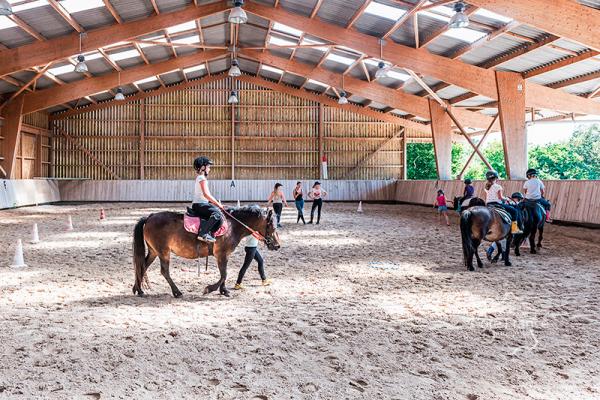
{"x": 164, "y": 233}
{"x": 483, "y": 223}
{"x": 534, "y": 218}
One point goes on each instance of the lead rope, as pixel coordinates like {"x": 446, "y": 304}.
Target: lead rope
{"x": 254, "y": 233}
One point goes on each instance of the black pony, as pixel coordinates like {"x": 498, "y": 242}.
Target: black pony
{"x": 534, "y": 218}
{"x": 473, "y": 201}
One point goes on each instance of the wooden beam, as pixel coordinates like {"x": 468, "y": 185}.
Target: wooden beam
{"x": 511, "y": 107}
{"x": 25, "y": 86}
{"x": 486, "y": 39}
{"x": 358, "y": 13}
{"x": 139, "y": 96}
{"x": 328, "y": 101}
{"x": 316, "y": 8}
{"x": 372, "y": 154}
{"x": 403, "y": 19}
{"x": 563, "y": 62}
{"x": 112, "y": 11}
{"x": 87, "y": 152}
{"x": 43, "y": 99}
{"x": 65, "y": 15}
{"x": 41, "y": 53}
{"x": 23, "y": 25}
{"x": 374, "y": 91}
{"x": 156, "y": 10}
{"x": 441, "y": 131}
{"x": 11, "y": 131}
{"x": 565, "y": 18}
{"x": 481, "y": 81}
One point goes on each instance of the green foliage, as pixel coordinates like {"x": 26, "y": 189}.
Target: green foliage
{"x": 578, "y": 158}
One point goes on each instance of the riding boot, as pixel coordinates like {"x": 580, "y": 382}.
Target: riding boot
{"x": 548, "y": 219}
{"x": 514, "y": 228}
{"x": 206, "y": 229}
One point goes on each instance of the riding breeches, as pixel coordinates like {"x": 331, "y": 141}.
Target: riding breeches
{"x": 300, "y": 208}
{"x": 252, "y": 253}
{"x": 212, "y": 216}
{"x": 317, "y": 203}
{"x": 278, "y": 208}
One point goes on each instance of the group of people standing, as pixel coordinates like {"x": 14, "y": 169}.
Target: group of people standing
{"x": 316, "y": 194}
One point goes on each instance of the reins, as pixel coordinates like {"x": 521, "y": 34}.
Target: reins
{"x": 254, "y": 233}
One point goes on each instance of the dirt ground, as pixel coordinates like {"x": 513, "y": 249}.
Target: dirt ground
{"x": 364, "y": 306}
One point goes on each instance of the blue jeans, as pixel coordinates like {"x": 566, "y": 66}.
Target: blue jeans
{"x": 300, "y": 208}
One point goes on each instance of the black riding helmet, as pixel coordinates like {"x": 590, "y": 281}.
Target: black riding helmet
{"x": 468, "y": 181}
{"x": 491, "y": 174}
{"x": 201, "y": 162}
{"x": 517, "y": 195}
{"x": 531, "y": 172}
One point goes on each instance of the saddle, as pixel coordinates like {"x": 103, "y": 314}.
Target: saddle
{"x": 192, "y": 223}
{"x": 502, "y": 212}
{"x": 534, "y": 203}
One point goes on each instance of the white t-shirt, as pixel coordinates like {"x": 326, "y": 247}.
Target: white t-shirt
{"x": 318, "y": 193}
{"x": 198, "y": 193}
{"x": 251, "y": 241}
{"x": 492, "y": 194}
{"x": 534, "y": 189}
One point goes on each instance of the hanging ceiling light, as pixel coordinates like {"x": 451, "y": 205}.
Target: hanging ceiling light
{"x": 235, "y": 68}
{"x": 233, "y": 98}
{"x": 383, "y": 70}
{"x": 119, "y": 96}
{"x": 81, "y": 66}
{"x": 237, "y": 15}
{"x": 459, "y": 19}
{"x": 5, "y": 8}
{"x": 343, "y": 98}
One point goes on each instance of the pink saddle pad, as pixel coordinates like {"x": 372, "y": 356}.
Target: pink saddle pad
{"x": 192, "y": 225}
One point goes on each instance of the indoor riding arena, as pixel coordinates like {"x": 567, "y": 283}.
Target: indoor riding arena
{"x": 224, "y": 199}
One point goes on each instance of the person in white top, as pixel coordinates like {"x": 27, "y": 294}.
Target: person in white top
{"x": 278, "y": 199}
{"x": 252, "y": 253}
{"x": 535, "y": 190}
{"x": 494, "y": 196}
{"x": 316, "y": 194}
{"x": 204, "y": 204}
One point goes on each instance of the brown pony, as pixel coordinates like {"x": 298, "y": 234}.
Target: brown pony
{"x": 483, "y": 223}
{"x": 164, "y": 233}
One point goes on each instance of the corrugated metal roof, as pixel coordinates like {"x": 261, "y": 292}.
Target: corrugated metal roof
{"x": 251, "y": 36}
{"x": 406, "y": 33}
{"x": 46, "y": 21}
{"x": 292, "y": 79}
{"x": 570, "y": 71}
{"x": 338, "y": 12}
{"x": 15, "y": 37}
{"x": 373, "y": 25}
{"x": 133, "y": 9}
{"x": 166, "y": 6}
{"x": 6, "y": 87}
{"x": 491, "y": 49}
{"x": 157, "y": 53}
{"x": 529, "y": 31}
{"x": 474, "y": 101}
{"x": 583, "y": 87}
{"x": 303, "y": 7}
{"x": 567, "y": 44}
{"x": 93, "y": 18}
{"x": 591, "y": 3}
{"x": 532, "y": 59}
{"x": 451, "y": 91}
{"x": 216, "y": 35}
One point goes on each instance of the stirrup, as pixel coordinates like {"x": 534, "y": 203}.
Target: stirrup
{"x": 208, "y": 238}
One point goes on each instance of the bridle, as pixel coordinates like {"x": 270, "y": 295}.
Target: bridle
{"x": 267, "y": 240}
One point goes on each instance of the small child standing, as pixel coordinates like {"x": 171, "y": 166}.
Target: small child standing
{"x": 442, "y": 204}
{"x": 252, "y": 253}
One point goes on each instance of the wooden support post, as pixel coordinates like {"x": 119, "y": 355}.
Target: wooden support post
{"x": 320, "y": 140}
{"x": 441, "y": 131}
{"x": 142, "y": 144}
{"x": 11, "y": 131}
{"x": 233, "y": 141}
{"x": 511, "y": 107}
{"x": 404, "y": 157}
{"x": 37, "y": 170}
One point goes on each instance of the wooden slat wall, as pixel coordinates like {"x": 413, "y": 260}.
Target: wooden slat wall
{"x": 33, "y": 145}
{"x": 244, "y": 190}
{"x": 573, "y": 201}
{"x": 276, "y": 136}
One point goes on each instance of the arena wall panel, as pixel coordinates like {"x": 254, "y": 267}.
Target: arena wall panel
{"x": 27, "y": 192}
{"x": 573, "y": 201}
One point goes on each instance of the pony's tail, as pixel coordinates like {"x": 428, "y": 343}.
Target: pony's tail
{"x": 465, "y": 232}
{"x": 139, "y": 254}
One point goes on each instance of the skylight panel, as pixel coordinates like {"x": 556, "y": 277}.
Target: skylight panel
{"x": 110, "y": 46}
{"x": 6, "y": 23}
{"x": 272, "y": 69}
{"x": 317, "y": 83}
{"x": 146, "y": 80}
{"x": 195, "y": 68}
{"x": 435, "y": 16}
{"x": 73, "y": 6}
{"x": 123, "y": 55}
{"x": 373, "y": 62}
{"x": 286, "y": 29}
{"x": 277, "y": 41}
{"x": 383, "y": 11}
{"x": 65, "y": 69}
{"x": 465, "y": 34}
{"x": 186, "y": 26}
{"x": 161, "y": 39}
{"x": 492, "y": 15}
{"x": 28, "y": 6}
{"x": 187, "y": 40}
{"x": 340, "y": 59}
{"x": 311, "y": 42}
{"x": 398, "y": 75}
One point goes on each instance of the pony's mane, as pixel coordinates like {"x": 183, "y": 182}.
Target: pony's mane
{"x": 253, "y": 210}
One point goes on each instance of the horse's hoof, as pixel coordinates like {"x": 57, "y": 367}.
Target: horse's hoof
{"x": 177, "y": 295}
{"x": 206, "y": 291}
{"x": 226, "y": 293}
{"x": 533, "y": 251}
{"x": 508, "y": 264}
{"x": 471, "y": 269}
{"x": 494, "y": 261}
{"x": 141, "y": 294}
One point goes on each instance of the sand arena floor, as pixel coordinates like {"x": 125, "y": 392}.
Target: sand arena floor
{"x": 365, "y": 306}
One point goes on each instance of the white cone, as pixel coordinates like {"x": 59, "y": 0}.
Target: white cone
{"x": 238, "y": 203}
{"x": 35, "y": 237}
{"x": 359, "y": 207}
{"x": 70, "y": 223}
{"x": 18, "y": 261}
